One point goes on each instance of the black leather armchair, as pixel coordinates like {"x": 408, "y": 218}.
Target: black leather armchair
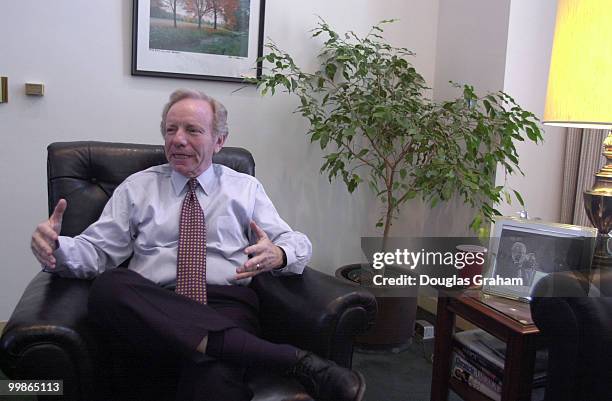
{"x": 49, "y": 336}
{"x": 574, "y": 316}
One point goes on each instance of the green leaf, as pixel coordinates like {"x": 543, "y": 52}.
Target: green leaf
{"x": 487, "y": 106}
{"x": 363, "y": 152}
{"x": 519, "y": 198}
{"x": 324, "y": 140}
{"x": 476, "y": 222}
{"x": 330, "y": 70}
{"x": 531, "y": 134}
{"x": 411, "y": 195}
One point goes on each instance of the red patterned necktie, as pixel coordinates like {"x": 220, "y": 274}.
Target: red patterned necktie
{"x": 191, "y": 263}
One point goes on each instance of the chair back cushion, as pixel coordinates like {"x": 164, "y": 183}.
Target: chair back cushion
{"x": 87, "y": 173}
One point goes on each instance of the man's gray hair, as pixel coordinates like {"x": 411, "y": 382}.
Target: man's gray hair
{"x": 219, "y": 110}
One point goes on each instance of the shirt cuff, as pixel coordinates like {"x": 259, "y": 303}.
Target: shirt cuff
{"x": 286, "y": 260}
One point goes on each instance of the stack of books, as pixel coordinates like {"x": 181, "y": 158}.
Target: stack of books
{"x": 478, "y": 361}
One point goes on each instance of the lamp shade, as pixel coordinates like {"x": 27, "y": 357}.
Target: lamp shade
{"x": 580, "y": 80}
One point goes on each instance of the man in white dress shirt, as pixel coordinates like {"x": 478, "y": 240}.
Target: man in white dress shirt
{"x": 244, "y": 236}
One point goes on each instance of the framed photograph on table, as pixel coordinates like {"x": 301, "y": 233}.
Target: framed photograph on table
{"x": 198, "y": 39}
{"x": 523, "y": 251}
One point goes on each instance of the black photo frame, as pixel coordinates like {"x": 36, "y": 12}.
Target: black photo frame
{"x": 197, "y": 48}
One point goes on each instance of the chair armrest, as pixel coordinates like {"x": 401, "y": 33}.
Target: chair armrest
{"x": 577, "y": 330}
{"x": 314, "y": 311}
{"x": 558, "y": 326}
{"x": 48, "y": 337}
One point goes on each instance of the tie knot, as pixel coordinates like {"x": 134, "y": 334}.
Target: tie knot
{"x": 193, "y": 184}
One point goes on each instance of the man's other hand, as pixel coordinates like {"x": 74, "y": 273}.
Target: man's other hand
{"x": 266, "y": 255}
{"x": 44, "y": 239}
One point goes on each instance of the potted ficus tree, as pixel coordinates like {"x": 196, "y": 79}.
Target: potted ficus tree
{"x": 370, "y": 113}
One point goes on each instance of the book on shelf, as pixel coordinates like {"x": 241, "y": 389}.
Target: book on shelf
{"x": 537, "y": 393}
{"x": 484, "y": 375}
{"x": 474, "y": 377}
{"x": 492, "y": 369}
{"x": 490, "y": 352}
{"x": 475, "y": 384}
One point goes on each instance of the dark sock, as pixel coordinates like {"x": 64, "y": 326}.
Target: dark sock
{"x": 238, "y": 346}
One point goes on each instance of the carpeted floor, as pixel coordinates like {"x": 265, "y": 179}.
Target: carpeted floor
{"x": 405, "y": 376}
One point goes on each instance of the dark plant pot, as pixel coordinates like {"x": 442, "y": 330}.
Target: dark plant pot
{"x": 394, "y": 325}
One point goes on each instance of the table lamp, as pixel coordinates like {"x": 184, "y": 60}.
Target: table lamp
{"x": 580, "y": 90}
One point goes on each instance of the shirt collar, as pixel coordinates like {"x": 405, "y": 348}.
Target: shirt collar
{"x": 206, "y": 180}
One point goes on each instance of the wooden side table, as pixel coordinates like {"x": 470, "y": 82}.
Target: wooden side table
{"x": 508, "y": 320}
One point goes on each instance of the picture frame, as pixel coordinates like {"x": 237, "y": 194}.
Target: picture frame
{"x": 528, "y": 250}
{"x": 198, "y": 39}
{"x": 3, "y": 90}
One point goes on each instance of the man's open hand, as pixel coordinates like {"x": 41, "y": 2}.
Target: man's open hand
{"x": 266, "y": 255}
{"x": 44, "y": 239}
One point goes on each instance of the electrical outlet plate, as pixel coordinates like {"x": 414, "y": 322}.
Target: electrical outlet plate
{"x": 34, "y": 89}
{"x": 424, "y": 330}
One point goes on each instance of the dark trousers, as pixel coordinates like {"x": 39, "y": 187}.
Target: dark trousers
{"x": 163, "y": 325}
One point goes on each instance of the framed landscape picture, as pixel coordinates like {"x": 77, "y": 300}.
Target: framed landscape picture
{"x": 198, "y": 39}
{"x": 524, "y": 251}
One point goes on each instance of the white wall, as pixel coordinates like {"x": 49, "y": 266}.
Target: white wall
{"x": 471, "y": 48}
{"x": 530, "y": 36}
{"x": 81, "y": 51}
{"x": 506, "y": 45}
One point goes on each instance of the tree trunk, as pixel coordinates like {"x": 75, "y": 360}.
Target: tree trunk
{"x": 215, "y": 24}
{"x": 389, "y": 215}
{"x": 174, "y": 12}
{"x": 388, "y": 219}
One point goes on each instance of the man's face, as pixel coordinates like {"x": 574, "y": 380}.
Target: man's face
{"x": 190, "y": 141}
{"x": 518, "y": 252}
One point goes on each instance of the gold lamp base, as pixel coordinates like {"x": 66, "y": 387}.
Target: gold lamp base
{"x": 599, "y": 210}
{"x": 598, "y": 200}
{"x": 598, "y": 207}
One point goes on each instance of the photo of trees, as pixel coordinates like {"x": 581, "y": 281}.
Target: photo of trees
{"x": 200, "y": 26}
